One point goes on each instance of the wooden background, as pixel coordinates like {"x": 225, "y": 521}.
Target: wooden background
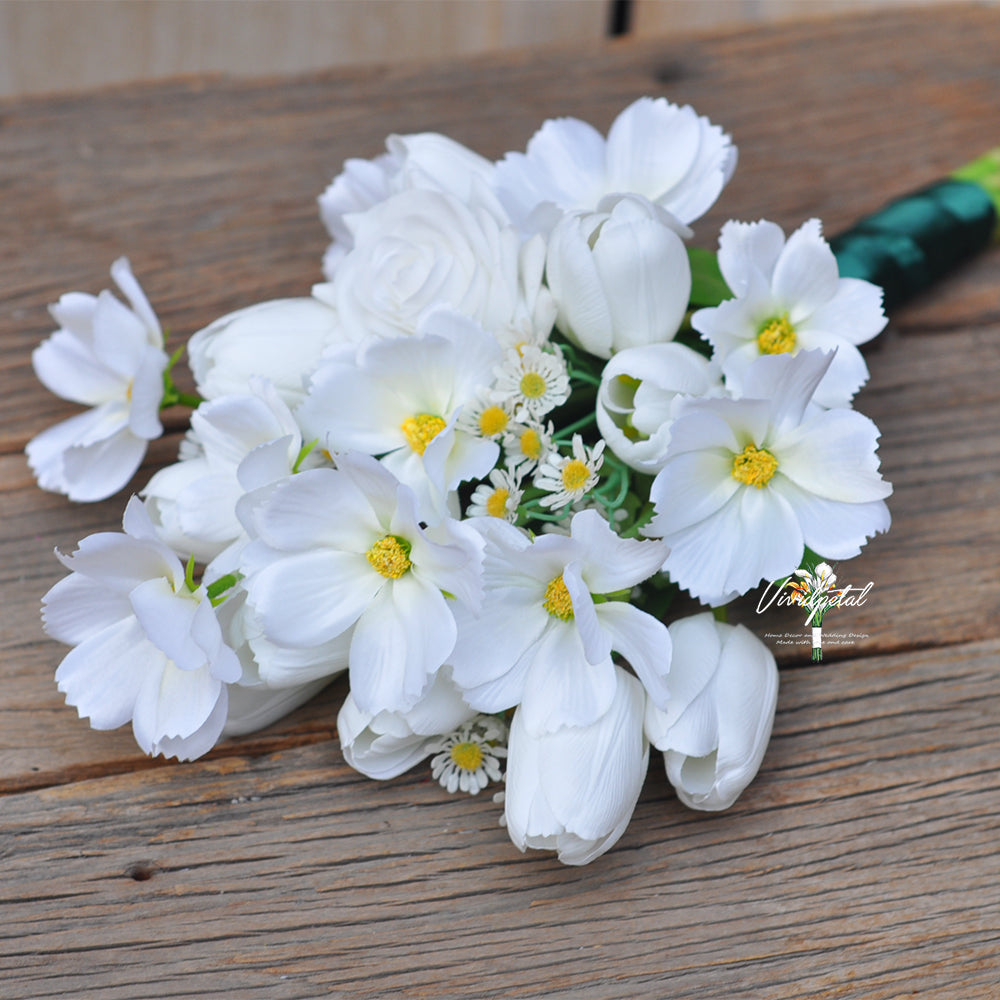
{"x": 861, "y": 864}
{"x": 49, "y": 46}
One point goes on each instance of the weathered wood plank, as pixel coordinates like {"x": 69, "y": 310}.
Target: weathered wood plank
{"x": 861, "y": 864}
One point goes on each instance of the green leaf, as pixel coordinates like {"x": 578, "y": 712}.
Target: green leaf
{"x": 708, "y": 287}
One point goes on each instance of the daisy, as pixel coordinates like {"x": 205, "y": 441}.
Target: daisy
{"x": 789, "y": 297}
{"x": 526, "y": 443}
{"x": 544, "y": 638}
{"x": 533, "y": 381}
{"x": 468, "y": 758}
{"x": 568, "y": 479}
{"x": 499, "y": 497}
{"x": 485, "y": 417}
{"x": 749, "y": 483}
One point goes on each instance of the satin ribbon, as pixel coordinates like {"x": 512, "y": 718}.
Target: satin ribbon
{"x": 916, "y": 240}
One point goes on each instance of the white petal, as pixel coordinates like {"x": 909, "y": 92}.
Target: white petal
{"x": 67, "y": 367}
{"x": 834, "y": 456}
{"x": 644, "y": 642}
{"x": 309, "y": 598}
{"x": 77, "y": 608}
{"x": 102, "y": 676}
{"x": 854, "y": 313}
{"x": 806, "y": 275}
{"x": 404, "y": 635}
{"x": 562, "y": 688}
{"x": 748, "y": 252}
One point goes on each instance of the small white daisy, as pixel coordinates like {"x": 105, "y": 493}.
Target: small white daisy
{"x": 486, "y": 417}
{"x": 532, "y": 380}
{"x": 468, "y": 759}
{"x": 499, "y": 497}
{"x": 527, "y": 443}
{"x": 567, "y": 479}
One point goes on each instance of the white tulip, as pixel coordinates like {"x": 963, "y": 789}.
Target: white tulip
{"x": 620, "y": 278}
{"x": 386, "y": 744}
{"x": 638, "y": 397}
{"x": 281, "y": 340}
{"x": 716, "y": 727}
{"x": 574, "y": 790}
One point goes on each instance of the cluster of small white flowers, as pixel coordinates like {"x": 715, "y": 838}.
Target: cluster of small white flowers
{"x": 457, "y": 469}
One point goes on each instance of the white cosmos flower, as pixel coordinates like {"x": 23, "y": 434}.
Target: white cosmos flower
{"x": 401, "y": 399}
{"x": 748, "y": 483}
{"x": 281, "y": 340}
{"x": 666, "y": 153}
{"x": 789, "y": 297}
{"x": 418, "y": 250}
{"x": 568, "y": 478}
{"x": 641, "y": 388}
{"x": 620, "y": 278}
{"x": 717, "y": 723}
{"x": 109, "y": 357}
{"x": 193, "y": 502}
{"x": 574, "y": 790}
{"x": 385, "y": 744}
{"x": 545, "y": 635}
{"x": 426, "y": 161}
{"x": 146, "y": 647}
{"x": 343, "y": 549}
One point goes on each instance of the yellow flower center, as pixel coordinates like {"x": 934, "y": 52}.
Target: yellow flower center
{"x": 421, "y": 429}
{"x": 467, "y": 756}
{"x": 531, "y": 444}
{"x": 533, "y": 385}
{"x": 558, "y": 603}
{"x": 575, "y": 475}
{"x": 754, "y": 466}
{"x": 390, "y": 557}
{"x": 777, "y": 336}
{"x": 492, "y": 421}
{"x": 496, "y": 506}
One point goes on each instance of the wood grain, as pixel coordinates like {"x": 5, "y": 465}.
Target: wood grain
{"x": 861, "y": 864}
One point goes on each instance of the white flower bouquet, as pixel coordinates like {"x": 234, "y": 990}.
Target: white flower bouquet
{"x": 471, "y": 469}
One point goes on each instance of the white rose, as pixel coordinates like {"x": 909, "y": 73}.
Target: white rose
{"x": 620, "y": 278}
{"x": 419, "y": 249}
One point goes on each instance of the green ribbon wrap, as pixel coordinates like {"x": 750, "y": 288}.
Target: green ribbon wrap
{"x": 916, "y": 240}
